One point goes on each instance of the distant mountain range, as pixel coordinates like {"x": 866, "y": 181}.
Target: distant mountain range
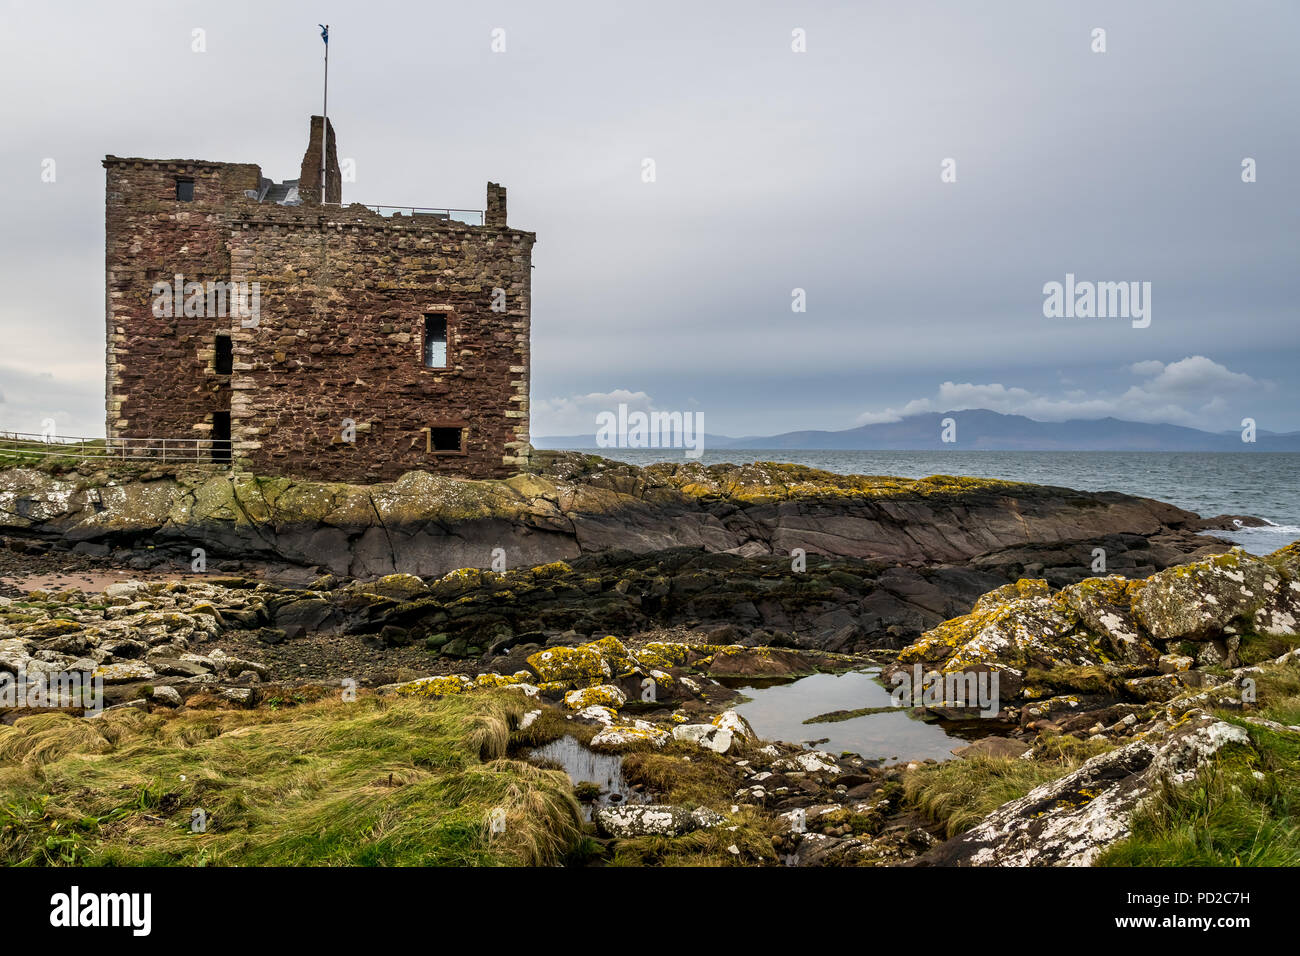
{"x": 983, "y": 430}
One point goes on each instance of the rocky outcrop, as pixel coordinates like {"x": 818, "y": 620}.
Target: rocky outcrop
{"x": 1135, "y": 665}
{"x": 633, "y": 821}
{"x": 1117, "y": 639}
{"x": 595, "y": 681}
{"x": 573, "y": 504}
{"x": 1070, "y": 821}
{"x": 1221, "y": 597}
{"x": 664, "y": 546}
{"x": 836, "y": 606}
{"x": 136, "y": 639}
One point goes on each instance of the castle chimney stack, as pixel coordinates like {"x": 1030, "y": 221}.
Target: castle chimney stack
{"x": 496, "y": 206}
{"x": 309, "y": 176}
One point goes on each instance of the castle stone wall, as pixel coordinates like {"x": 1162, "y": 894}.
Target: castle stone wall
{"x": 329, "y": 380}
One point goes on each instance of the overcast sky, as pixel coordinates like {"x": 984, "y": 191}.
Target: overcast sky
{"x": 774, "y": 170}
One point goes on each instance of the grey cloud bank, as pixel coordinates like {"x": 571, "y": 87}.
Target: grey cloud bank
{"x": 775, "y": 170}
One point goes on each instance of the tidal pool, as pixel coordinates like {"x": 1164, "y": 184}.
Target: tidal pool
{"x": 586, "y": 766}
{"x": 778, "y": 712}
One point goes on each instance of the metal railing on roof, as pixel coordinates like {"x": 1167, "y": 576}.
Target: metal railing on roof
{"x": 30, "y": 448}
{"x": 471, "y": 217}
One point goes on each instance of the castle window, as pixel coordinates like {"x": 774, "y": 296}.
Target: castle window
{"x": 446, "y": 440}
{"x": 435, "y": 341}
{"x": 184, "y": 189}
{"x": 224, "y": 358}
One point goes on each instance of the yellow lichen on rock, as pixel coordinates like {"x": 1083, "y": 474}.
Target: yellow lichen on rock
{"x": 564, "y": 664}
{"x": 53, "y": 628}
{"x": 602, "y": 695}
{"x": 456, "y": 582}
{"x": 1024, "y": 588}
{"x": 620, "y": 661}
{"x": 1026, "y": 625}
{"x": 616, "y": 737}
{"x": 435, "y": 686}
{"x": 398, "y": 585}
{"x": 663, "y": 654}
{"x": 554, "y": 569}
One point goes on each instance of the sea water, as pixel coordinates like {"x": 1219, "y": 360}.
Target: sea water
{"x": 1261, "y": 484}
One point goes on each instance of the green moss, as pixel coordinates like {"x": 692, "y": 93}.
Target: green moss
{"x": 1065, "y": 677}
{"x": 586, "y": 791}
{"x": 835, "y": 716}
{"x": 763, "y": 482}
{"x": 548, "y": 726}
{"x": 705, "y": 779}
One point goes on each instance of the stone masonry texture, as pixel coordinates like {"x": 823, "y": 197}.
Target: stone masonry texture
{"x": 337, "y": 348}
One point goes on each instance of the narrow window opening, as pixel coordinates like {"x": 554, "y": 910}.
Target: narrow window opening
{"x": 185, "y": 189}
{"x": 435, "y": 341}
{"x": 446, "y": 439}
{"x": 221, "y": 436}
{"x": 225, "y": 356}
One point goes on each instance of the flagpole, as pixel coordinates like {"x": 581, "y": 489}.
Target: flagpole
{"x": 325, "y": 114}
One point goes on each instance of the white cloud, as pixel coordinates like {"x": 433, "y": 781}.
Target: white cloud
{"x": 1194, "y": 391}
{"x": 1193, "y": 377}
{"x": 75, "y": 402}
{"x": 879, "y": 418}
{"x": 576, "y": 414}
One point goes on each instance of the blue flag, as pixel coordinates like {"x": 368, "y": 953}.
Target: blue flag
{"x": 324, "y": 33}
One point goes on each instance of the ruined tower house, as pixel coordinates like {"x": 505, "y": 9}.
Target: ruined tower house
{"x": 371, "y": 341}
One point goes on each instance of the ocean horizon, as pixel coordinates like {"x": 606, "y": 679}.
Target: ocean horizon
{"x": 1260, "y": 484}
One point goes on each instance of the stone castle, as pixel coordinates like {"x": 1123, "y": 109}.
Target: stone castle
{"x": 299, "y": 337}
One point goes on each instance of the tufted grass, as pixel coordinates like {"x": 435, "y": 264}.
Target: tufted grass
{"x": 376, "y": 781}
{"x": 1278, "y": 692}
{"x": 960, "y": 793}
{"x": 1260, "y": 648}
{"x": 1227, "y": 816}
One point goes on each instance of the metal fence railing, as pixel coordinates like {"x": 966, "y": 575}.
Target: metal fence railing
{"x": 30, "y": 448}
{"x": 471, "y": 217}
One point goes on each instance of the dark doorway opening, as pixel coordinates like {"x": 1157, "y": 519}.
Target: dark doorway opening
{"x": 221, "y": 436}
{"x": 224, "y": 359}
